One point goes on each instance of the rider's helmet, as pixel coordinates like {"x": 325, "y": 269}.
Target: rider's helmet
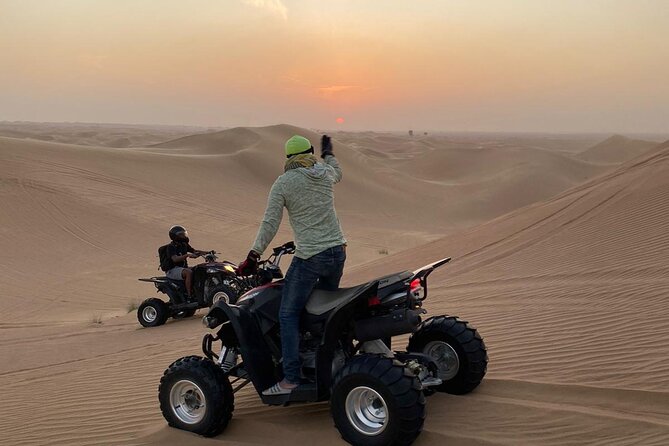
{"x": 178, "y": 234}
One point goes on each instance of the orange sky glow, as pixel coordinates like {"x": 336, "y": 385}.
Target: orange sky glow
{"x": 505, "y": 65}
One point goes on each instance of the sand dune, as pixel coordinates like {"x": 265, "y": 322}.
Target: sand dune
{"x": 481, "y": 178}
{"x": 106, "y": 205}
{"x": 570, "y": 292}
{"x": 103, "y": 135}
{"x": 616, "y": 149}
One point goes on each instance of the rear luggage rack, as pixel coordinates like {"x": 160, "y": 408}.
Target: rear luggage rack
{"x": 155, "y": 280}
{"x": 427, "y": 269}
{"x": 422, "y": 273}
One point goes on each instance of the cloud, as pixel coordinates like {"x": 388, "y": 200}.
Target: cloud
{"x": 274, "y": 6}
{"x": 337, "y": 88}
{"x": 333, "y": 91}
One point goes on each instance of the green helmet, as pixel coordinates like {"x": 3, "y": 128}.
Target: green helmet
{"x": 297, "y": 144}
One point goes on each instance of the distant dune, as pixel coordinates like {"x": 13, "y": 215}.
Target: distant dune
{"x": 616, "y": 149}
{"x": 560, "y": 259}
{"x": 103, "y": 135}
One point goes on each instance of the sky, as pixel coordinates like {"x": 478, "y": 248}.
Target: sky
{"x": 507, "y": 65}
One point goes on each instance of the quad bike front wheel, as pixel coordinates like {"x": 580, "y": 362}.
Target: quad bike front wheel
{"x": 222, "y": 292}
{"x": 153, "y": 312}
{"x": 195, "y": 395}
{"x": 376, "y": 401}
{"x": 457, "y": 349}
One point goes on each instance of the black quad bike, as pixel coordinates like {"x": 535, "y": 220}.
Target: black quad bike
{"x": 377, "y": 396}
{"x": 212, "y": 281}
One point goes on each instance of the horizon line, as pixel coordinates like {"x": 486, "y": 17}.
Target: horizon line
{"x": 418, "y": 132}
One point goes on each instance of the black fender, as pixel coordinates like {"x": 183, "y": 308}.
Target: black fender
{"x": 256, "y": 354}
{"x": 173, "y": 294}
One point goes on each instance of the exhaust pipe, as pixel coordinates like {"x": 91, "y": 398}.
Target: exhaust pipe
{"x": 395, "y": 323}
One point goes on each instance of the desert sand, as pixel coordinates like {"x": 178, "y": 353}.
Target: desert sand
{"x": 560, "y": 255}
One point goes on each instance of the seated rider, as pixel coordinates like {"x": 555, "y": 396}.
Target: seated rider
{"x": 306, "y": 190}
{"x": 177, "y": 253}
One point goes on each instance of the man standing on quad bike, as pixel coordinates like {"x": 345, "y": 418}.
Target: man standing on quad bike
{"x": 306, "y": 190}
{"x": 175, "y": 263}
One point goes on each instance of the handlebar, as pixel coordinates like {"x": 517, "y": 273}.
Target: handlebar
{"x": 273, "y": 260}
{"x": 209, "y": 256}
{"x": 278, "y": 252}
{"x": 286, "y": 248}
{"x": 267, "y": 268}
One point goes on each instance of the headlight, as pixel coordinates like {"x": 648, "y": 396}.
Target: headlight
{"x": 209, "y": 322}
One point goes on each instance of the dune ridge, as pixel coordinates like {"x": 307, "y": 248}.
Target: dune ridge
{"x": 569, "y": 291}
{"x": 616, "y": 149}
{"x": 96, "y": 134}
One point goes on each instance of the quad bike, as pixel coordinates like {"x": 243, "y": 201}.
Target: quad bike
{"x": 212, "y": 281}
{"x": 377, "y": 396}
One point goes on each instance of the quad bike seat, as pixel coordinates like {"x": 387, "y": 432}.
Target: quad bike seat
{"x": 162, "y": 281}
{"x": 322, "y": 301}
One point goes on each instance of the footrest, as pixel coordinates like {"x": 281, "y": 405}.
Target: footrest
{"x": 429, "y": 382}
{"x": 301, "y": 394}
{"x": 186, "y": 306}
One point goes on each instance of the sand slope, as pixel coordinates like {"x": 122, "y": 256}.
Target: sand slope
{"x": 571, "y": 297}
{"x": 569, "y": 293}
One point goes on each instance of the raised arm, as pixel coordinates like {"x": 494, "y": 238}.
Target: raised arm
{"x": 335, "y": 170}
{"x": 329, "y": 159}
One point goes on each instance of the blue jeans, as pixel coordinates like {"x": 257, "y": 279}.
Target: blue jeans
{"x": 324, "y": 271}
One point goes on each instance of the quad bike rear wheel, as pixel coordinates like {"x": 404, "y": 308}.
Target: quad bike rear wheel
{"x": 458, "y": 350}
{"x": 195, "y": 395}
{"x": 376, "y": 401}
{"x": 153, "y": 312}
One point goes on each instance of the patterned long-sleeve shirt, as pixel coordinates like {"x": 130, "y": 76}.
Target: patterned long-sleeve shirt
{"x": 308, "y": 195}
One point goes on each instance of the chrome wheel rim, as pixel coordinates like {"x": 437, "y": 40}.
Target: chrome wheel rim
{"x": 149, "y": 314}
{"x": 367, "y": 410}
{"x": 187, "y": 402}
{"x": 445, "y": 356}
{"x": 221, "y": 295}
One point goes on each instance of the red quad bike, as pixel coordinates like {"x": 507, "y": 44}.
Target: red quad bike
{"x": 212, "y": 281}
{"x": 377, "y": 396}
